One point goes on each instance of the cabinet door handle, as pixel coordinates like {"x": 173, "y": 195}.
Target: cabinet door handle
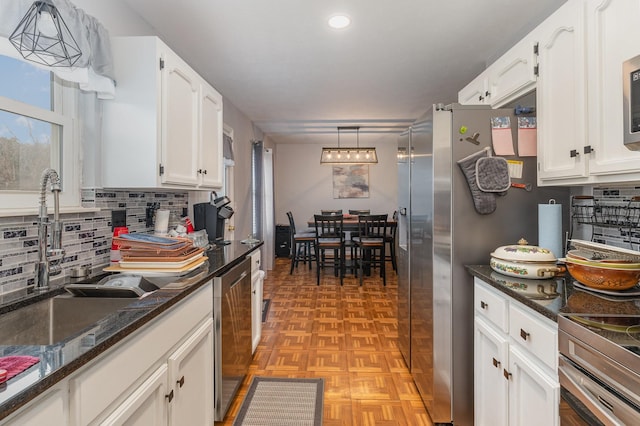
{"x": 588, "y": 149}
{"x": 496, "y": 363}
{"x": 199, "y": 171}
{"x": 204, "y": 172}
{"x": 506, "y": 374}
{"x": 524, "y": 334}
{"x": 573, "y": 153}
{"x": 481, "y": 98}
{"x": 170, "y": 396}
{"x": 487, "y": 93}
{"x": 181, "y": 381}
{"x": 484, "y": 305}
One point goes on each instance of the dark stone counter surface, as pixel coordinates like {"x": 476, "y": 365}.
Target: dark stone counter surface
{"x": 548, "y": 302}
{"x": 540, "y": 296}
{"x": 63, "y": 358}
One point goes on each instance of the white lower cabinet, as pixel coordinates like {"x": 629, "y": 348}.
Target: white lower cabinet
{"x": 534, "y": 394}
{"x": 146, "y": 405}
{"x": 162, "y": 374}
{"x": 491, "y": 396}
{"x": 191, "y": 379}
{"x": 515, "y": 362}
{"x": 257, "y": 278}
{"x": 51, "y": 408}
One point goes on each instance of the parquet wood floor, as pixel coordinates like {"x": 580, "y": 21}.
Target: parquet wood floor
{"x": 346, "y": 335}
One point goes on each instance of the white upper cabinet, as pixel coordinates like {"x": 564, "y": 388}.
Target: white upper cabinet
{"x": 164, "y": 128}
{"x": 211, "y": 166}
{"x": 612, "y": 33}
{"x": 514, "y": 73}
{"x": 580, "y": 115}
{"x": 561, "y": 94}
{"x": 179, "y": 136}
{"x": 476, "y": 92}
{"x": 508, "y": 78}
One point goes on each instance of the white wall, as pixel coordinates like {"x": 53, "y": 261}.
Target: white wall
{"x": 304, "y": 186}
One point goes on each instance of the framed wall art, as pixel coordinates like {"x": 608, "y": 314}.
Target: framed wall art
{"x": 351, "y": 181}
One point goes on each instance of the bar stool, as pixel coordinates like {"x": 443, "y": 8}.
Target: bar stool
{"x": 370, "y": 242}
{"x": 330, "y": 237}
{"x": 390, "y": 239}
{"x": 302, "y": 245}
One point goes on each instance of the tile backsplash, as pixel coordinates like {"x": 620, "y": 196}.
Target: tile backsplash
{"x": 86, "y": 237}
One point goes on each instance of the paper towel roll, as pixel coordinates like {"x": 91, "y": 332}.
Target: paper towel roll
{"x": 550, "y": 227}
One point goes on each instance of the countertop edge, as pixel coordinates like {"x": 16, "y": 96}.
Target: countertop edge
{"x": 484, "y": 273}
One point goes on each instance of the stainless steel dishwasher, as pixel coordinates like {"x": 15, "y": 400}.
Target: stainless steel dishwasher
{"x": 232, "y": 342}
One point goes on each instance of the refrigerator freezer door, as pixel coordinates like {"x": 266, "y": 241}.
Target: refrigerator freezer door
{"x": 402, "y": 251}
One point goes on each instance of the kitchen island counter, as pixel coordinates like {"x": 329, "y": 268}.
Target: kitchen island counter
{"x": 62, "y": 359}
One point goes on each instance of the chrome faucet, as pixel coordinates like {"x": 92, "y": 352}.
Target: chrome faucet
{"x": 49, "y": 258}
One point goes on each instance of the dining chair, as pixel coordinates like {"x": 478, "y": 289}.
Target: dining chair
{"x": 330, "y": 237}
{"x": 390, "y": 240}
{"x": 302, "y": 245}
{"x": 370, "y": 242}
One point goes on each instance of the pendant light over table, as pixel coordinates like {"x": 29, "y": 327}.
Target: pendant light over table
{"x": 349, "y": 155}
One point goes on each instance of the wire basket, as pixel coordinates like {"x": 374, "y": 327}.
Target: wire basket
{"x": 624, "y": 214}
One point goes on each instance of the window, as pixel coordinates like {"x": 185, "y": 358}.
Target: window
{"x": 36, "y": 132}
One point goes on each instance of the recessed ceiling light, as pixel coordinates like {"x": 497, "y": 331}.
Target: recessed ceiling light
{"x": 339, "y": 21}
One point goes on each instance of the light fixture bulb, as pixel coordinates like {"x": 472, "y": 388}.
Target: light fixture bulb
{"x": 339, "y": 22}
{"x": 46, "y": 24}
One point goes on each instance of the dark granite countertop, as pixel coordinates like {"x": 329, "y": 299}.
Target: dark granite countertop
{"x": 569, "y": 298}
{"x": 62, "y": 359}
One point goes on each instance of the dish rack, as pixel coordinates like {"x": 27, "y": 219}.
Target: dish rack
{"x": 586, "y": 210}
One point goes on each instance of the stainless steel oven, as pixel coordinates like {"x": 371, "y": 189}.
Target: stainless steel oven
{"x": 600, "y": 365}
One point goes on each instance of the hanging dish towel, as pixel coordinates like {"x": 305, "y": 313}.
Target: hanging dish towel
{"x": 15, "y": 365}
{"x": 484, "y": 202}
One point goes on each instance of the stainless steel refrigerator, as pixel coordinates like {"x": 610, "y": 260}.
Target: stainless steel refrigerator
{"x": 440, "y": 231}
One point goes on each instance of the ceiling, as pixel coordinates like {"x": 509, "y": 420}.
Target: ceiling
{"x": 298, "y": 80}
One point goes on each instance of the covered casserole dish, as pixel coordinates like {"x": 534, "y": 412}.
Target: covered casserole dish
{"x": 525, "y": 261}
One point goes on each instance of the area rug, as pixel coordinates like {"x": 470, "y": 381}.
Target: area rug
{"x": 274, "y": 401}
{"x": 265, "y": 308}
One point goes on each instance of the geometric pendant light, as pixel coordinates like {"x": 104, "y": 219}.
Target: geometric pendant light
{"x": 43, "y": 37}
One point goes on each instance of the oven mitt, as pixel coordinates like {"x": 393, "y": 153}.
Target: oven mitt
{"x": 484, "y": 202}
{"x": 492, "y": 175}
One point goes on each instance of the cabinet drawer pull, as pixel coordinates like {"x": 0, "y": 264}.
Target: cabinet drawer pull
{"x": 496, "y": 363}
{"x": 181, "y": 381}
{"x": 506, "y": 374}
{"x": 524, "y": 334}
{"x": 484, "y": 305}
{"x": 170, "y": 396}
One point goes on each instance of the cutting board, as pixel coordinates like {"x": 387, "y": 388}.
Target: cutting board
{"x": 158, "y": 271}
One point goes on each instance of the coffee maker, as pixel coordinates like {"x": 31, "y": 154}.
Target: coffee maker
{"x": 211, "y": 216}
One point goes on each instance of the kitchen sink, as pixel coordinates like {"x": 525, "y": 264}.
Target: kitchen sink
{"x": 53, "y": 320}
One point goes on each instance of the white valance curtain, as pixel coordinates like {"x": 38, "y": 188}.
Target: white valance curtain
{"x": 94, "y": 70}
